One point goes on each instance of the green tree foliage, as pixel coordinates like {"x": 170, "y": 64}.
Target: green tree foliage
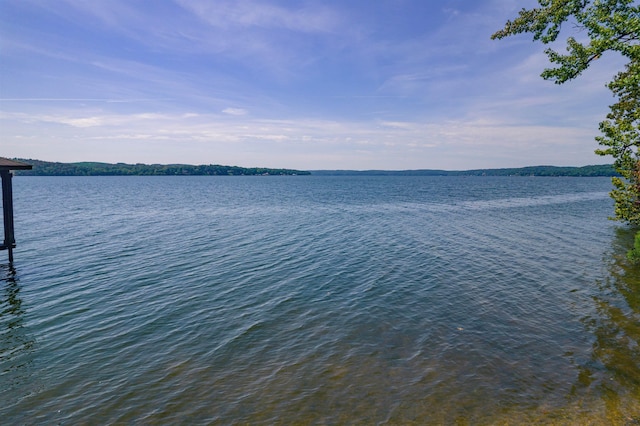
{"x": 610, "y": 26}
{"x": 621, "y": 138}
{"x": 634, "y": 254}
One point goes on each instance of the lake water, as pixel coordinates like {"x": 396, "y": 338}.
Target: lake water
{"x": 318, "y": 300}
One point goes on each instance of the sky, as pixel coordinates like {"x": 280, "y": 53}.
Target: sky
{"x": 316, "y": 84}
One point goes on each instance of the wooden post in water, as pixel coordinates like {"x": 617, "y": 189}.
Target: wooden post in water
{"x": 7, "y": 213}
{"x": 6, "y": 166}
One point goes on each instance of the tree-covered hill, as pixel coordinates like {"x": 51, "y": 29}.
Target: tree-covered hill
{"x": 586, "y": 171}
{"x": 46, "y": 168}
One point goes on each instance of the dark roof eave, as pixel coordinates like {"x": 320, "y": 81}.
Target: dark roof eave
{"x": 6, "y": 164}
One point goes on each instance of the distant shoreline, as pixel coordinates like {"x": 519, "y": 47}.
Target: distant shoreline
{"x": 47, "y": 168}
{"x": 605, "y": 170}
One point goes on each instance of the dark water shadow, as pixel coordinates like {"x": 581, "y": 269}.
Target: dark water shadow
{"x": 612, "y": 374}
{"x": 16, "y": 343}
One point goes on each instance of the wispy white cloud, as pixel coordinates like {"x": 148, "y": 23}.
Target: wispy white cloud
{"x": 398, "y": 124}
{"x": 424, "y": 144}
{"x": 308, "y": 18}
{"x": 235, "y": 111}
{"x": 32, "y": 100}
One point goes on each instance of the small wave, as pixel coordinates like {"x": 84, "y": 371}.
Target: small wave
{"x": 542, "y": 200}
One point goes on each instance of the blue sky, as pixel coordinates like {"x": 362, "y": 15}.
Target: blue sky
{"x": 349, "y": 84}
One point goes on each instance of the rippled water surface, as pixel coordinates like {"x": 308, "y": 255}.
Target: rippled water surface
{"x": 318, "y": 300}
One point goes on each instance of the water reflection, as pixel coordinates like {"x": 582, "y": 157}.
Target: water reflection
{"x": 613, "y": 370}
{"x": 16, "y": 345}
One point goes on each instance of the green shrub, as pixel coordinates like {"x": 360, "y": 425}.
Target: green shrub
{"x": 634, "y": 254}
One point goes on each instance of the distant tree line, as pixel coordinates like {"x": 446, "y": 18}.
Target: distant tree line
{"x": 46, "y": 168}
{"x": 585, "y": 171}
{"x": 606, "y": 170}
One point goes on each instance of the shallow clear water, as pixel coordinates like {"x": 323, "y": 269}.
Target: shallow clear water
{"x": 322, "y": 300}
